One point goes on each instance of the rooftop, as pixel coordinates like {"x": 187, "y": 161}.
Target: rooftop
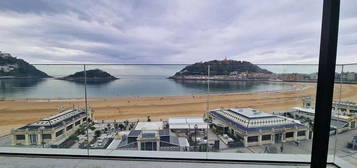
{"x": 251, "y": 113}
{"x": 183, "y": 120}
{"x": 55, "y": 120}
{"x": 346, "y": 103}
{"x": 308, "y": 110}
{"x": 149, "y": 126}
{"x": 187, "y": 123}
{"x": 134, "y": 133}
{"x": 247, "y": 120}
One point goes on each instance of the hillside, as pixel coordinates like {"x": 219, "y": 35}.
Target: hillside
{"x": 12, "y": 67}
{"x": 220, "y": 68}
{"x": 92, "y": 75}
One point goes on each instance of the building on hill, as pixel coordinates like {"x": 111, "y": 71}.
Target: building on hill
{"x": 4, "y": 54}
{"x": 253, "y": 127}
{"x": 50, "y": 131}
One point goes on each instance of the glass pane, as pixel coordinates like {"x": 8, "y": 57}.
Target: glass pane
{"x": 259, "y": 110}
{"x": 139, "y": 108}
{"x": 344, "y": 111}
{"x": 45, "y": 109}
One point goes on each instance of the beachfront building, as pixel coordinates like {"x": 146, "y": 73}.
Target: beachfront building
{"x": 253, "y": 127}
{"x": 187, "y": 125}
{"x": 342, "y": 107}
{"x": 344, "y": 113}
{"x": 339, "y": 122}
{"x": 345, "y": 107}
{"x": 151, "y": 136}
{"x": 50, "y": 131}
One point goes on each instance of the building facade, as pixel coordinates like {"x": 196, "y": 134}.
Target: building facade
{"x": 187, "y": 125}
{"x": 253, "y": 127}
{"x": 344, "y": 113}
{"x": 339, "y": 122}
{"x": 342, "y": 107}
{"x": 151, "y": 140}
{"x": 52, "y": 130}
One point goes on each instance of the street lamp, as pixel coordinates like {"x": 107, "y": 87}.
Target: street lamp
{"x": 196, "y": 127}
{"x": 42, "y": 143}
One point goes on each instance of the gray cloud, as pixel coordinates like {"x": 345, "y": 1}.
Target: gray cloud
{"x": 182, "y": 31}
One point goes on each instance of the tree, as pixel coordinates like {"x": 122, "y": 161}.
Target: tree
{"x": 92, "y": 128}
{"x": 97, "y": 133}
{"x": 126, "y": 123}
{"x": 121, "y": 126}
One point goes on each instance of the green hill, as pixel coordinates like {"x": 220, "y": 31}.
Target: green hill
{"x": 12, "y": 67}
{"x": 92, "y": 75}
{"x": 225, "y": 67}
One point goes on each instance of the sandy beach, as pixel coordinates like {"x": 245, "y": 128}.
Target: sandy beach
{"x": 18, "y": 112}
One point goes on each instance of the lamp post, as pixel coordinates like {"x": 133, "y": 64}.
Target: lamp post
{"x": 42, "y": 143}
{"x": 196, "y": 136}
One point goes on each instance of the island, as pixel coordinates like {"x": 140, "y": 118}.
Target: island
{"x": 12, "y": 67}
{"x": 223, "y": 70}
{"x": 93, "y": 76}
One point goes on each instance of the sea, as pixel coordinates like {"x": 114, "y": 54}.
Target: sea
{"x": 128, "y": 86}
{"x": 149, "y": 80}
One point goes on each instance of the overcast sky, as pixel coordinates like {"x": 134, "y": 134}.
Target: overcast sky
{"x": 168, "y": 31}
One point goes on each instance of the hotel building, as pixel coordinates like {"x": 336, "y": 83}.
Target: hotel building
{"x": 50, "y": 131}
{"x": 254, "y": 127}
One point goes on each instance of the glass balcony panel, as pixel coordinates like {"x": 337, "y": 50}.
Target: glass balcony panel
{"x": 134, "y": 112}
{"x": 42, "y": 110}
{"x": 259, "y": 110}
{"x": 343, "y": 138}
{"x": 144, "y": 96}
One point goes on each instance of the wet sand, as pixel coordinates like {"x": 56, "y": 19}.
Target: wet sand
{"x": 18, "y": 112}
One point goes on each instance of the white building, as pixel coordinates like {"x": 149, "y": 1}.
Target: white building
{"x": 149, "y": 126}
{"x": 254, "y": 127}
{"x": 151, "y": 136}
{"x": 52, "y": 130}
{"x": 181, "y": 124}
{"x": 339, "y": 122}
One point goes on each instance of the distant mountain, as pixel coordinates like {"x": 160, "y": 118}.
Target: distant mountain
{"x": 94, "y": 75}
{"x": 224, "y": 67}
{"x": 12, "y": 67}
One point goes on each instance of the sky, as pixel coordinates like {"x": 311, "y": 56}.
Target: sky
{"x": 170, "y": 31}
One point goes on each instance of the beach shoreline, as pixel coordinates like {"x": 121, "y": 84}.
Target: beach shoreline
{"x": 17, "y": 112}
